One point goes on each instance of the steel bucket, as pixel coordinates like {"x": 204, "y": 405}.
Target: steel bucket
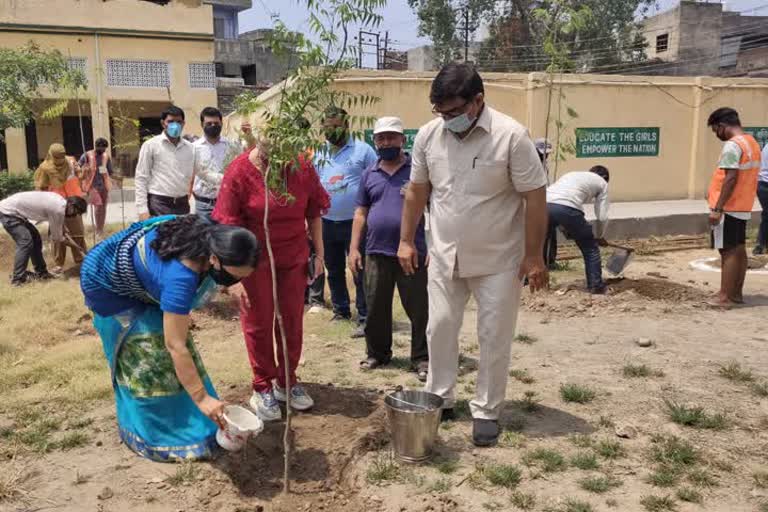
{"x": 414, "y": 417}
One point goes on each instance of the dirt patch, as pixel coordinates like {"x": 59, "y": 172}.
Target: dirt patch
{"x": 658, "y": 290}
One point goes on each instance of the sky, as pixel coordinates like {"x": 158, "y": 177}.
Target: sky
{"x": 400, "y": 20}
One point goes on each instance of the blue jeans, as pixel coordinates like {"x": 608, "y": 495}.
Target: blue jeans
{"x": 577, "y": 229}
{"x": 762, "y": 196}
{"x": 336, "y": 238}
{"x": 204, "y": 209}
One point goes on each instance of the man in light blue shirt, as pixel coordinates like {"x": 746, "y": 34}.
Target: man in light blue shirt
{"x": 340, "y": 166}
{"x": 762, "y": 196}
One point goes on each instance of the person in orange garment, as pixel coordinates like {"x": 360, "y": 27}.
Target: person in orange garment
{"x": 60, "y": 173}
{"x": 731, "y": 196}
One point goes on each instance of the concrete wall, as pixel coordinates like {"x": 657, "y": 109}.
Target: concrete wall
{"x": 678, "y": 106}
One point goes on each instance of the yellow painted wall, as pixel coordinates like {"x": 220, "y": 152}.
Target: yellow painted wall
{"x": 96, "y": 49}
{"x": 180, "y": 16}
{"x": 678, "y": 106}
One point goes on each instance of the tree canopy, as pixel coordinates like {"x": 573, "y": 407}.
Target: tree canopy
{"x": 24, "y": 73}
{"x": 519, "y": 28}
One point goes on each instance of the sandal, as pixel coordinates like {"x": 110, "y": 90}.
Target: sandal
{"x": 370, "y": 363}
{"x": 422, "y": 370}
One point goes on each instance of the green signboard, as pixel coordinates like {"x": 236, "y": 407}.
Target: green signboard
{"x": 410, "y": 135}
{"x": 760, "y": 133}
{"x": 616, "y": 142}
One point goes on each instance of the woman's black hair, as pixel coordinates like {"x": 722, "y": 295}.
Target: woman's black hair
{"x": 195, "y": 238}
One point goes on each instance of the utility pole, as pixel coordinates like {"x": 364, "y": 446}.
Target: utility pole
{"x": 368, "y": 39}
{"x": 466, "y": 28}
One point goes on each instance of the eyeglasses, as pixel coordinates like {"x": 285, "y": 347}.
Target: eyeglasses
{"x": 456, "y": 112}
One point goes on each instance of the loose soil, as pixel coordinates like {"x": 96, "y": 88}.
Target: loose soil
{"x": 51, "y": 366}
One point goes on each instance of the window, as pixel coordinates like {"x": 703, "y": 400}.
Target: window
{"x": 662, "y": 43}
{"x": 202, "y": 75}
{"x": 76, "y": 64}
{"x": 218, "y": 28}
{"x": 138, "y": 73}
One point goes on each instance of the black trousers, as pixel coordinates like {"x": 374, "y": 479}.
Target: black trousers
{"x": 28, "y": 246}
{"x": 164, "y": 205}
{"x": 382, "y": 274}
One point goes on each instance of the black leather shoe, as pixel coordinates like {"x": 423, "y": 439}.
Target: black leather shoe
{"x": 485, "y": 432}
{"x": 448, "y": 415}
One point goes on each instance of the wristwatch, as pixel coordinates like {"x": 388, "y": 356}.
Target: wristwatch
{"x": 716, "y": 210}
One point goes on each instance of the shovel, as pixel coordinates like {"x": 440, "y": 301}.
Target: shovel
{"x": 619, "y": 260}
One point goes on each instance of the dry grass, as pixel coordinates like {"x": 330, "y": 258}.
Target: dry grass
{"x": 11, "y": 484}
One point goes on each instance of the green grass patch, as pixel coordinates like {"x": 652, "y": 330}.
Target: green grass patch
{"x": 658, "y": 503}
{"x": 760, "y": 389}
{"x": 735, "y": 373}
{"x": 665, "y": 475}
{"x": 610, "y": 449}
{"x": 689, "y": 495}
{"x": 640, "y": 370}
{"x": 446, "y": 466}
{"x": 701, "y": 478}
{"x": 511, "y": 439}
{"x": 577, "y": 393}
{"x": 586, "y": 461}
{"x": 441, "y": 485}
{"x": 526, "y": 339}
{"x": 186, "y": 473}
{"x": 522, "y": 376}
{"x": 530, "y": 401}
{"x": 523, "y": 500}
{"x": 582, "y": 440}
{"x": 547, "y": 460}
{"x": 503, "y": 475}
{"x": 599, "y": 484}
{"x": 72, "y": 440}
{"x": 383, "y": 468}
{"x": 694, "y": 416}
{"x": 673, "y": 450}
{"x": 461, "y": 409}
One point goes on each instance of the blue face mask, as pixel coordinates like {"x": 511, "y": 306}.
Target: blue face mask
{"x": 173, "y": 129}
{"x": 389, "y": 154}
{"x": 459, "y": 124}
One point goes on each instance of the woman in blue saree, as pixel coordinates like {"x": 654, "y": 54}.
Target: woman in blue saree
{"x": 141, "y": 285}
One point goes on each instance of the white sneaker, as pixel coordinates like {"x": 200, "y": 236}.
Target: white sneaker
{"x": 265, "y": 406}
{"x": 315, "y": 310}
{"x": 300, "y": 400}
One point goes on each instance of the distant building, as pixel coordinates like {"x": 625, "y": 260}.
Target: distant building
{"x": 138, "y": 57}
{"x": 702, "y": 39}
{"x": 243, "y": 61}
{"x": 423, "y": 58}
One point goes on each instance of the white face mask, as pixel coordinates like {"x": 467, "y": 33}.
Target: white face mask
{"x": 459, "y": 124}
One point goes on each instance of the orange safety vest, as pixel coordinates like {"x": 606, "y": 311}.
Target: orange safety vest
{"x": 92, "y": 169}
{"x": 743, "y": 197}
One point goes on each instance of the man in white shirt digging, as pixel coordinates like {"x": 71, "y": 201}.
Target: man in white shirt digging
{"x": 565, "y": 204}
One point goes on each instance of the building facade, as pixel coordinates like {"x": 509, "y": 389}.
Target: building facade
{"x": 702, "y": 39}
{"x": 138, "y": 56}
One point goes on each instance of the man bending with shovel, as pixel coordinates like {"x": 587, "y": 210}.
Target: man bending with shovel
{"x": 565, "y": 203}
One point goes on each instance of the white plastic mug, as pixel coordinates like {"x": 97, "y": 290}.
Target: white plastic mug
{"x": 241, "y": 425}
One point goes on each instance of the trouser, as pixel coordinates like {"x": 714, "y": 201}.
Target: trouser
{"x": 578, "y": 229}
{"x": 100, "y": 209}
{"x": 76, "y": 231}
{"x": 204, "y": 206}
{"x": 314, "y": 295}
{"x": 28, "y": 246}
{"x": 260, "y": 327}
{"x": 762, "y": 195}
{"x": 164, "y": 205}
{"x": 382, "y": 274}
{"x": 336, "y": 238}
{"x": 498, "y": 298}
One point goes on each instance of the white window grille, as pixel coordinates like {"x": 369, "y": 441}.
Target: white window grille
{"x": 76, "y": 64}
{"x": 138, "y": 73}
{"x": 202, "y": 75}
